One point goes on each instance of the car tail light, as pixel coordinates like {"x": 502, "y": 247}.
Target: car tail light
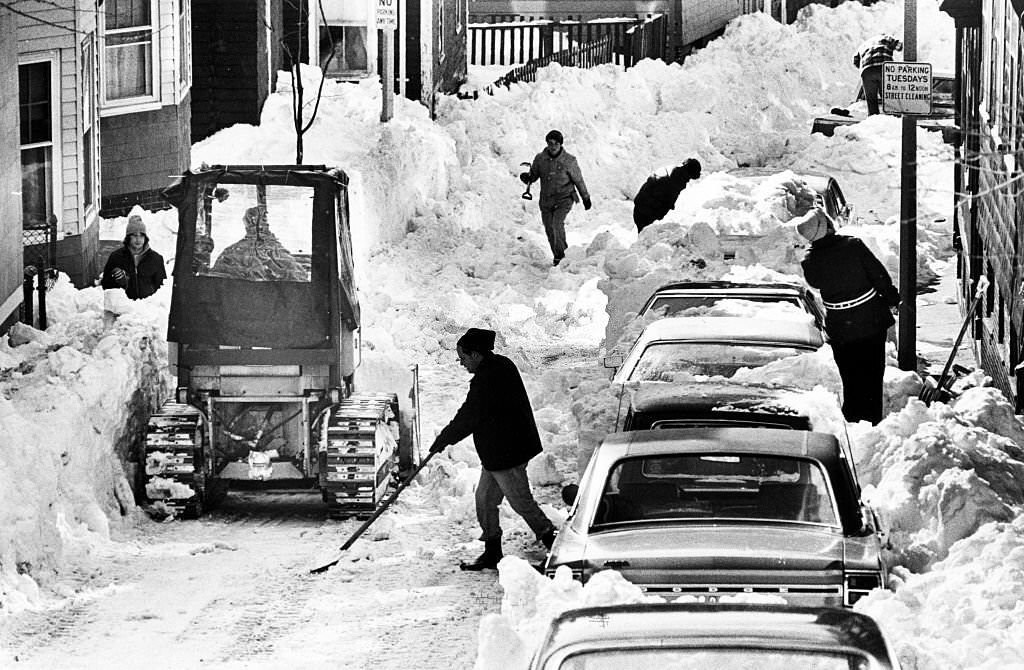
{"x": 856, "y": 585}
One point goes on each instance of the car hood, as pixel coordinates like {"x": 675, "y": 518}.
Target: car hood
{"x": 720, "y": 547}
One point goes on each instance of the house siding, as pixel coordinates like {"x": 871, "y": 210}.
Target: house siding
{"x": 141, "y": 152}
{"x": 231, "y": 77}
{"x": 10, "y": 179}
{"x": 142, "y": 147}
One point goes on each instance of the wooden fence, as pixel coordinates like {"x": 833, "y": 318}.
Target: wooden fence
{"x": 584, "y": 55}
{"x": 519, "y": 42}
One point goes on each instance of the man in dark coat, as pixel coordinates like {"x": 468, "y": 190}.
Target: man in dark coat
{"x": 859, "y": 296}
{"x": 658, "y": 194}
{"x": 134, "y": 266}
{"x": 498, "y": 415}
{"x": 560, "y": 180}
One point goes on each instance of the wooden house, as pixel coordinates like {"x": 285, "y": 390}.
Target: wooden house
{"x": 989, "y": 181}
{"x": 10, "y": 179}
{"x": 240, "y": 45}
{"x": 58, "y": 53}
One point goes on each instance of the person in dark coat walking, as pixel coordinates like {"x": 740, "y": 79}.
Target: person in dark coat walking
{"x": 859, "y": 296}
{"x": 498, "y": 415}
{"x": 560, "y": 181}
{"x": 658, "y": 194}
{"x": 134, "y": 266}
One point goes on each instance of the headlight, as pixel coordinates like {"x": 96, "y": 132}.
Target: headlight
{"x": 856, "y": 585}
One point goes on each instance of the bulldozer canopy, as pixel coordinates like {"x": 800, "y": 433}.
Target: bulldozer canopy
{"x": 263, "y": 258}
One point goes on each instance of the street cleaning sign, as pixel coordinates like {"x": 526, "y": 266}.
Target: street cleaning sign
{"x": 387, "y": 15}
{"x": 907, "y": 88}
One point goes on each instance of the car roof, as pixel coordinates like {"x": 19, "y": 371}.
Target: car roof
{"x": 699, "y": 328}
{"x": 721, "y": 625}
{"x": 731, "y": 285}
{"x": 821, "y": 447}
{"x": 656, "y": 397}
{"x": 817, "y": 181}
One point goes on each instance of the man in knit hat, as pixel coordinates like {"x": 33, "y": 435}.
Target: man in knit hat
{"x": 134, "y": 266}
{"x": 498, "y": 415}
{"x": 858, "y": 294}
{"x": 560, "y": 181}
{"x": 871, "y": 57}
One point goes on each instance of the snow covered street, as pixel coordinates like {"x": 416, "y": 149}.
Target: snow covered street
{"x": 443, "y": 241}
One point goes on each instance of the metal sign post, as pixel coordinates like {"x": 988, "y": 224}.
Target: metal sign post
{"x": 387, "y": 23}
{"x": 906, "y": 350}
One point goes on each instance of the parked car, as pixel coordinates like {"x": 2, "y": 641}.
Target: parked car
{"x": 680, "y": 347}
{"x": 671, "y": 299}
{"x": 715, "y": 511}
{"x": 710, "y": 404}
{"x": 723, "y": 636}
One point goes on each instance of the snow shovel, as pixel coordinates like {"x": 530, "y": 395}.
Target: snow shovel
{"x": 526, "y": 194}
{"x": 928, "y": 393}
{"x": 380, "y": 510}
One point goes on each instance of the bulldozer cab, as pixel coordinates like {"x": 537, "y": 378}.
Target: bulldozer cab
{"x": 263, "y": 270}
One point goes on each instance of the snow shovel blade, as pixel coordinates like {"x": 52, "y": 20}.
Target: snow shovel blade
{"x": 928, "y": 395}
{"x": 323, "y": 567}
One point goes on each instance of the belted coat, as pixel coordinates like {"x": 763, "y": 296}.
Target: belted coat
{"x": 854, "y": 285}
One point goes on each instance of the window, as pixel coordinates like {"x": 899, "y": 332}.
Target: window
{"x": 250, "y": 232}
{"x": 343, "y": 49}
{"x": 128, "y": 49}
{"x": 89, "y": 103}
{"x": 184, "y": 43}
{"x": 35, "y": 106}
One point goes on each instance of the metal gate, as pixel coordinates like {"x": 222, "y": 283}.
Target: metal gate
{"x": 39, "y": 244}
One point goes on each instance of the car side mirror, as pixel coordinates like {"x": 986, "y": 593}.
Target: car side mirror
{"x": 612, "y": 361}
{"x": 569, "y": 494}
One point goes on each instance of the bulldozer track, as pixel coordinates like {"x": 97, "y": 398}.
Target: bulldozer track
{"x": 35, "y": 631}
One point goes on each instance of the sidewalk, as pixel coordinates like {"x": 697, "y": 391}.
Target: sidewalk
{"x": 938, "y": 323}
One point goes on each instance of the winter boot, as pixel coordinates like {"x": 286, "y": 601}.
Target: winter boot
{"x": 487, "y": 560}
{"x": 548, "y": 538}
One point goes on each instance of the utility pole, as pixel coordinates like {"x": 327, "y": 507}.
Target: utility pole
{"x": 387, "y": 22}
{"x": 907, "y": 336}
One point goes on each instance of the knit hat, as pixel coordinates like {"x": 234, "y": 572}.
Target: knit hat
{"x": 554, "y": 135}
{"x": 692, "y": 167}
{"x": 477, "y": 339}
{"x": 814, "y": 225}
{"x": 135, "y": 226}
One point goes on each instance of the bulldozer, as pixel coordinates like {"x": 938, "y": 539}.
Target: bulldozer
{"x": 263, "y": 344}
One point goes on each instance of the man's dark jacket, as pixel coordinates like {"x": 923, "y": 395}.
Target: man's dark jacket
{"x": 842, "y": 268}
{"x": 142, "y": 281}
{"x": 659, "y": 193}
{"x": 498, "y": 415}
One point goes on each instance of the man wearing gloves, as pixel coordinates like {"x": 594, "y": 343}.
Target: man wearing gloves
{"x": 659, "y": 193}
{"x": 134, "y": 266}
{"x": 498, "y": 415}
{"x": 560, "y": 181}
{"x": 858, "y": 295}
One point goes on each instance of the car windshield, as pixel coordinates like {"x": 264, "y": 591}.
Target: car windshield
{"x": 697, "y": 305}
{"x": 717, "y": 486}
{"x": 680, "y": 361}
{"x": 721, "y": 659}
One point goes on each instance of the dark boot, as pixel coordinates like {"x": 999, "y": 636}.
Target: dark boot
{"x": 487, "y": 560}
{"x": 548, "y": 538}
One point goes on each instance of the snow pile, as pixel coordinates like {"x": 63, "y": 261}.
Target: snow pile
{"x": 935, "y": 477}
{"x": 66, "y": 399}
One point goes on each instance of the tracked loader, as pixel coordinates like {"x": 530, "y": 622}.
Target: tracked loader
{"x": 263, "y": 340}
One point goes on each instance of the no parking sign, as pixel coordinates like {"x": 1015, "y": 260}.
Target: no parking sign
{"x": 907, "y": 88}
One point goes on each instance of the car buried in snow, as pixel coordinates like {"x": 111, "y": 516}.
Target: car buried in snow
{"x": 679, "y": 348}
{"x": 724, "y": 636}
{"x": 679, "y": 297}
{"x": 710, "y": 512}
